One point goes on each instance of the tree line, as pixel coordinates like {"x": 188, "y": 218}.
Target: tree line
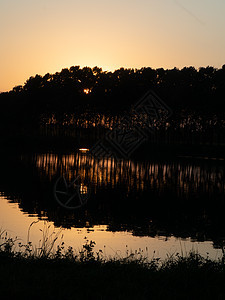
{"x": 91, "y": 90}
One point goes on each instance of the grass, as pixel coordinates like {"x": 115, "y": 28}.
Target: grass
{"x": 49, "y": 272}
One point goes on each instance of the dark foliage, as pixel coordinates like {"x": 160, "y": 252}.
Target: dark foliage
{"x": 78, "y": 90}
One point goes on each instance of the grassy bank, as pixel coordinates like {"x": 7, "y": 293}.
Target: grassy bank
{"x": 41, "y": 273}
{"x": 42, "y": 279}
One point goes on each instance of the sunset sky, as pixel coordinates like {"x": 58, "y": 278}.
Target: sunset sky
{"x": 41, "y": 36}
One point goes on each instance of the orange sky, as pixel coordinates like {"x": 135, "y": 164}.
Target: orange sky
{"x": 44, "y": 36}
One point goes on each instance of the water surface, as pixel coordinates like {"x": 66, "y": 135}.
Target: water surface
{"x": 159, "y": 207}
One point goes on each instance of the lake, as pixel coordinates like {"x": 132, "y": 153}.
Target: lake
{"x": 156, "y": 207}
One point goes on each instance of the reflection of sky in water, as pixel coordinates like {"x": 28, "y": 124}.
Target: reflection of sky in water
{"x": 16, "y": 223}
{"x": 183, "y": 177}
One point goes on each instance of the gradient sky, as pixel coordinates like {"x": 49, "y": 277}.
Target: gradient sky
{"x": 41, "y": 36}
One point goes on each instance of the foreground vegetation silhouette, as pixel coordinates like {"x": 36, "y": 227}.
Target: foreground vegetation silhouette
{"x": 65, "y": 274}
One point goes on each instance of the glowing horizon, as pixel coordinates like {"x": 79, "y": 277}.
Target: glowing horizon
{"x": 39, "y": 37}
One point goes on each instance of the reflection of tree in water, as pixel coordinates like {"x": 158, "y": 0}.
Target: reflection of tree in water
{"x": 147, "y": 198}
{"x": 181, "y": 177}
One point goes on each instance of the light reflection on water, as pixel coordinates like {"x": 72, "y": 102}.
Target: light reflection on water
{"x": 185, "y": 177}
{"x": 113, "y": 244}
{"x": 162, "y": 206}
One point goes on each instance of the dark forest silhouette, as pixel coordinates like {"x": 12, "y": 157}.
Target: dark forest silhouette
{"x": 83, "y": 97}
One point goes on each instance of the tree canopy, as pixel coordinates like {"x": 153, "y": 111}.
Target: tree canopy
{"x": 87, "y": 89}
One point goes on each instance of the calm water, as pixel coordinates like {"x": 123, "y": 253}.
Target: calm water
{"x": 159, "y": 207}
